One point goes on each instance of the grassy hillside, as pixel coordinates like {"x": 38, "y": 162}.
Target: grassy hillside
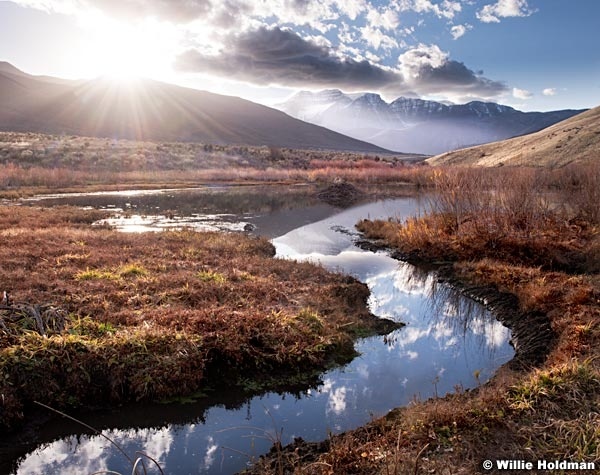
{"x": 574, "y": 140}
{"x": 152, "y": 110}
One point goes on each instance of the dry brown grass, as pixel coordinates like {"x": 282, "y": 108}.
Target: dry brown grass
{"x": 150, "y": 316}
{"x": 575, "y": 140}
{"x": 532, "y": 217}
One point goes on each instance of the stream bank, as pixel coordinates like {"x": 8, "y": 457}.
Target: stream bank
{"x": 543, "y": 405}
{"x": 448, "y": 338}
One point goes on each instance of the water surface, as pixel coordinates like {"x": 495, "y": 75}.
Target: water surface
{"x": 449, "y": 341}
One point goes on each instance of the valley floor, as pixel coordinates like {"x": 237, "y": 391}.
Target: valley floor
{"x": 97, "y": 315}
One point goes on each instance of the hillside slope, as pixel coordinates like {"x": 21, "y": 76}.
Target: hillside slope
{"x": 151, "y": 110}
{"x": 573, "y": 140}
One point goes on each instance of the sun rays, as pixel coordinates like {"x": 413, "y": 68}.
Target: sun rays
{"x": 126, "y": 52}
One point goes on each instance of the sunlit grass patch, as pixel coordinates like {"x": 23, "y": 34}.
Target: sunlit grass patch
{"x": 96, "y": 274}
{"x": 562, "y": 405}
{"x": 211, "y": 276}
{"x": 71, "y": 257}
{"x": 568, "y": 384}
{"x": 123, "y": 271}
{"x": 88, "y": 326}
{"x": 133, "y": 270}
{"x": 311, "y": 319}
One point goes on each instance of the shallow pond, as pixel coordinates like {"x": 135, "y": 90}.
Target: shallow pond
{"x": 449, "y": 341}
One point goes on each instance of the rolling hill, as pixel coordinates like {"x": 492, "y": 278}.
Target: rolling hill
{"x": 573, "y": 140}
{"x": 151, "y": 110}
{"x": 416, "y": 125}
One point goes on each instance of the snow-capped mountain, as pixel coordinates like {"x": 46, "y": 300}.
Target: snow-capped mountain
{"x": 416, "y": 125}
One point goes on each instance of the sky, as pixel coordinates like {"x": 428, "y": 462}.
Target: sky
{"x": 530, "y": 54}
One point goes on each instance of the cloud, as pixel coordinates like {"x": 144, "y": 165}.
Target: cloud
{"x": 503, "y": 9}
{"x": 377, "y": 39}
{"x": 277, "y": 56}
{"x": 428, "y": 70}
{"x": 351, "y": 8}
{"x": 521, "y": 93}
{"x": 172, "y": 10}
{"x": 387, "y": 18}
{"x": 175, "y": 10}
{"x": 415, "y": 60}
{"x": 458, "y": 31}
{"x": 550, "y": 91}
{"x": 446, "y": 9}
{"x": 274, "y": 56}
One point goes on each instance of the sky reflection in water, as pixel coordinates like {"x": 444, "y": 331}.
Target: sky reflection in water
{"x": 447, "y": 339}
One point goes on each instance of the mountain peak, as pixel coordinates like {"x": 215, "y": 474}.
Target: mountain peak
{"x": 488, "y": 108}
{"x": 371, "y": 98}
{"x": 6, "y": 67}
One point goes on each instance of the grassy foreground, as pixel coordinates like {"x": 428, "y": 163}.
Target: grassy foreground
{"x": 98, "y": 317}
{"x": 533, "y": 235}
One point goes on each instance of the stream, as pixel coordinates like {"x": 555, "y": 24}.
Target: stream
{"x": 449, "y": 342}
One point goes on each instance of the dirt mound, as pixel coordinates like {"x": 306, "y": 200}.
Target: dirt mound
{"x": 341, "y": 195}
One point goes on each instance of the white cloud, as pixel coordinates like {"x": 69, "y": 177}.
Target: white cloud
{"x": 549, "y": 91}
{"x": 347, "y": 35}
{"x": 446, "y": 9}
{"x": 372, "y": 57}
{"x": 521, "y": 93}
{"x": 459, "y": 30}
{"x": 336, "y": 402}
{"x": 387, "y": 18}
{"x": 377, "y": 39}
{"x": 209, "y": 457}
{"x": 413, "y": 61}
{"x": 351, "y": 8}
{"x": 503, "y": 9}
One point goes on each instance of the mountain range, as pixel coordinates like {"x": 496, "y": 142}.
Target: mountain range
{"x": 573, "y": 140}
{"x": 152, "y": 110}
{"x": 416, "y": 125}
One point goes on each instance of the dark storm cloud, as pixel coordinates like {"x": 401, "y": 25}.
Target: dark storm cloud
{"x": 455, "y": 76}
{"x": 276, "y": 56}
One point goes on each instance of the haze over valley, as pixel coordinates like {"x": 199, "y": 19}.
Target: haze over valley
{"x": 416, "y": 125}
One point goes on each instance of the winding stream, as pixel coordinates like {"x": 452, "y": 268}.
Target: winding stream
{"x": 449, "y": 341}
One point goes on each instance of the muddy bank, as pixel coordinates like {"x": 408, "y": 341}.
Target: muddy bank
{"x": 532, "y": 335}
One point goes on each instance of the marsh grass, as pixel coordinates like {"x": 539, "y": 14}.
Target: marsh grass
{"x": 533, "y": 217}
{"x": 148, "y": 317}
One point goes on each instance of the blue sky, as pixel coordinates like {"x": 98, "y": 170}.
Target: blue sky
{"x": 531, "y": 54}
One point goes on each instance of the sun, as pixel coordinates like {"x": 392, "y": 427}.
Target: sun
{"x": 128, "y": 51}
